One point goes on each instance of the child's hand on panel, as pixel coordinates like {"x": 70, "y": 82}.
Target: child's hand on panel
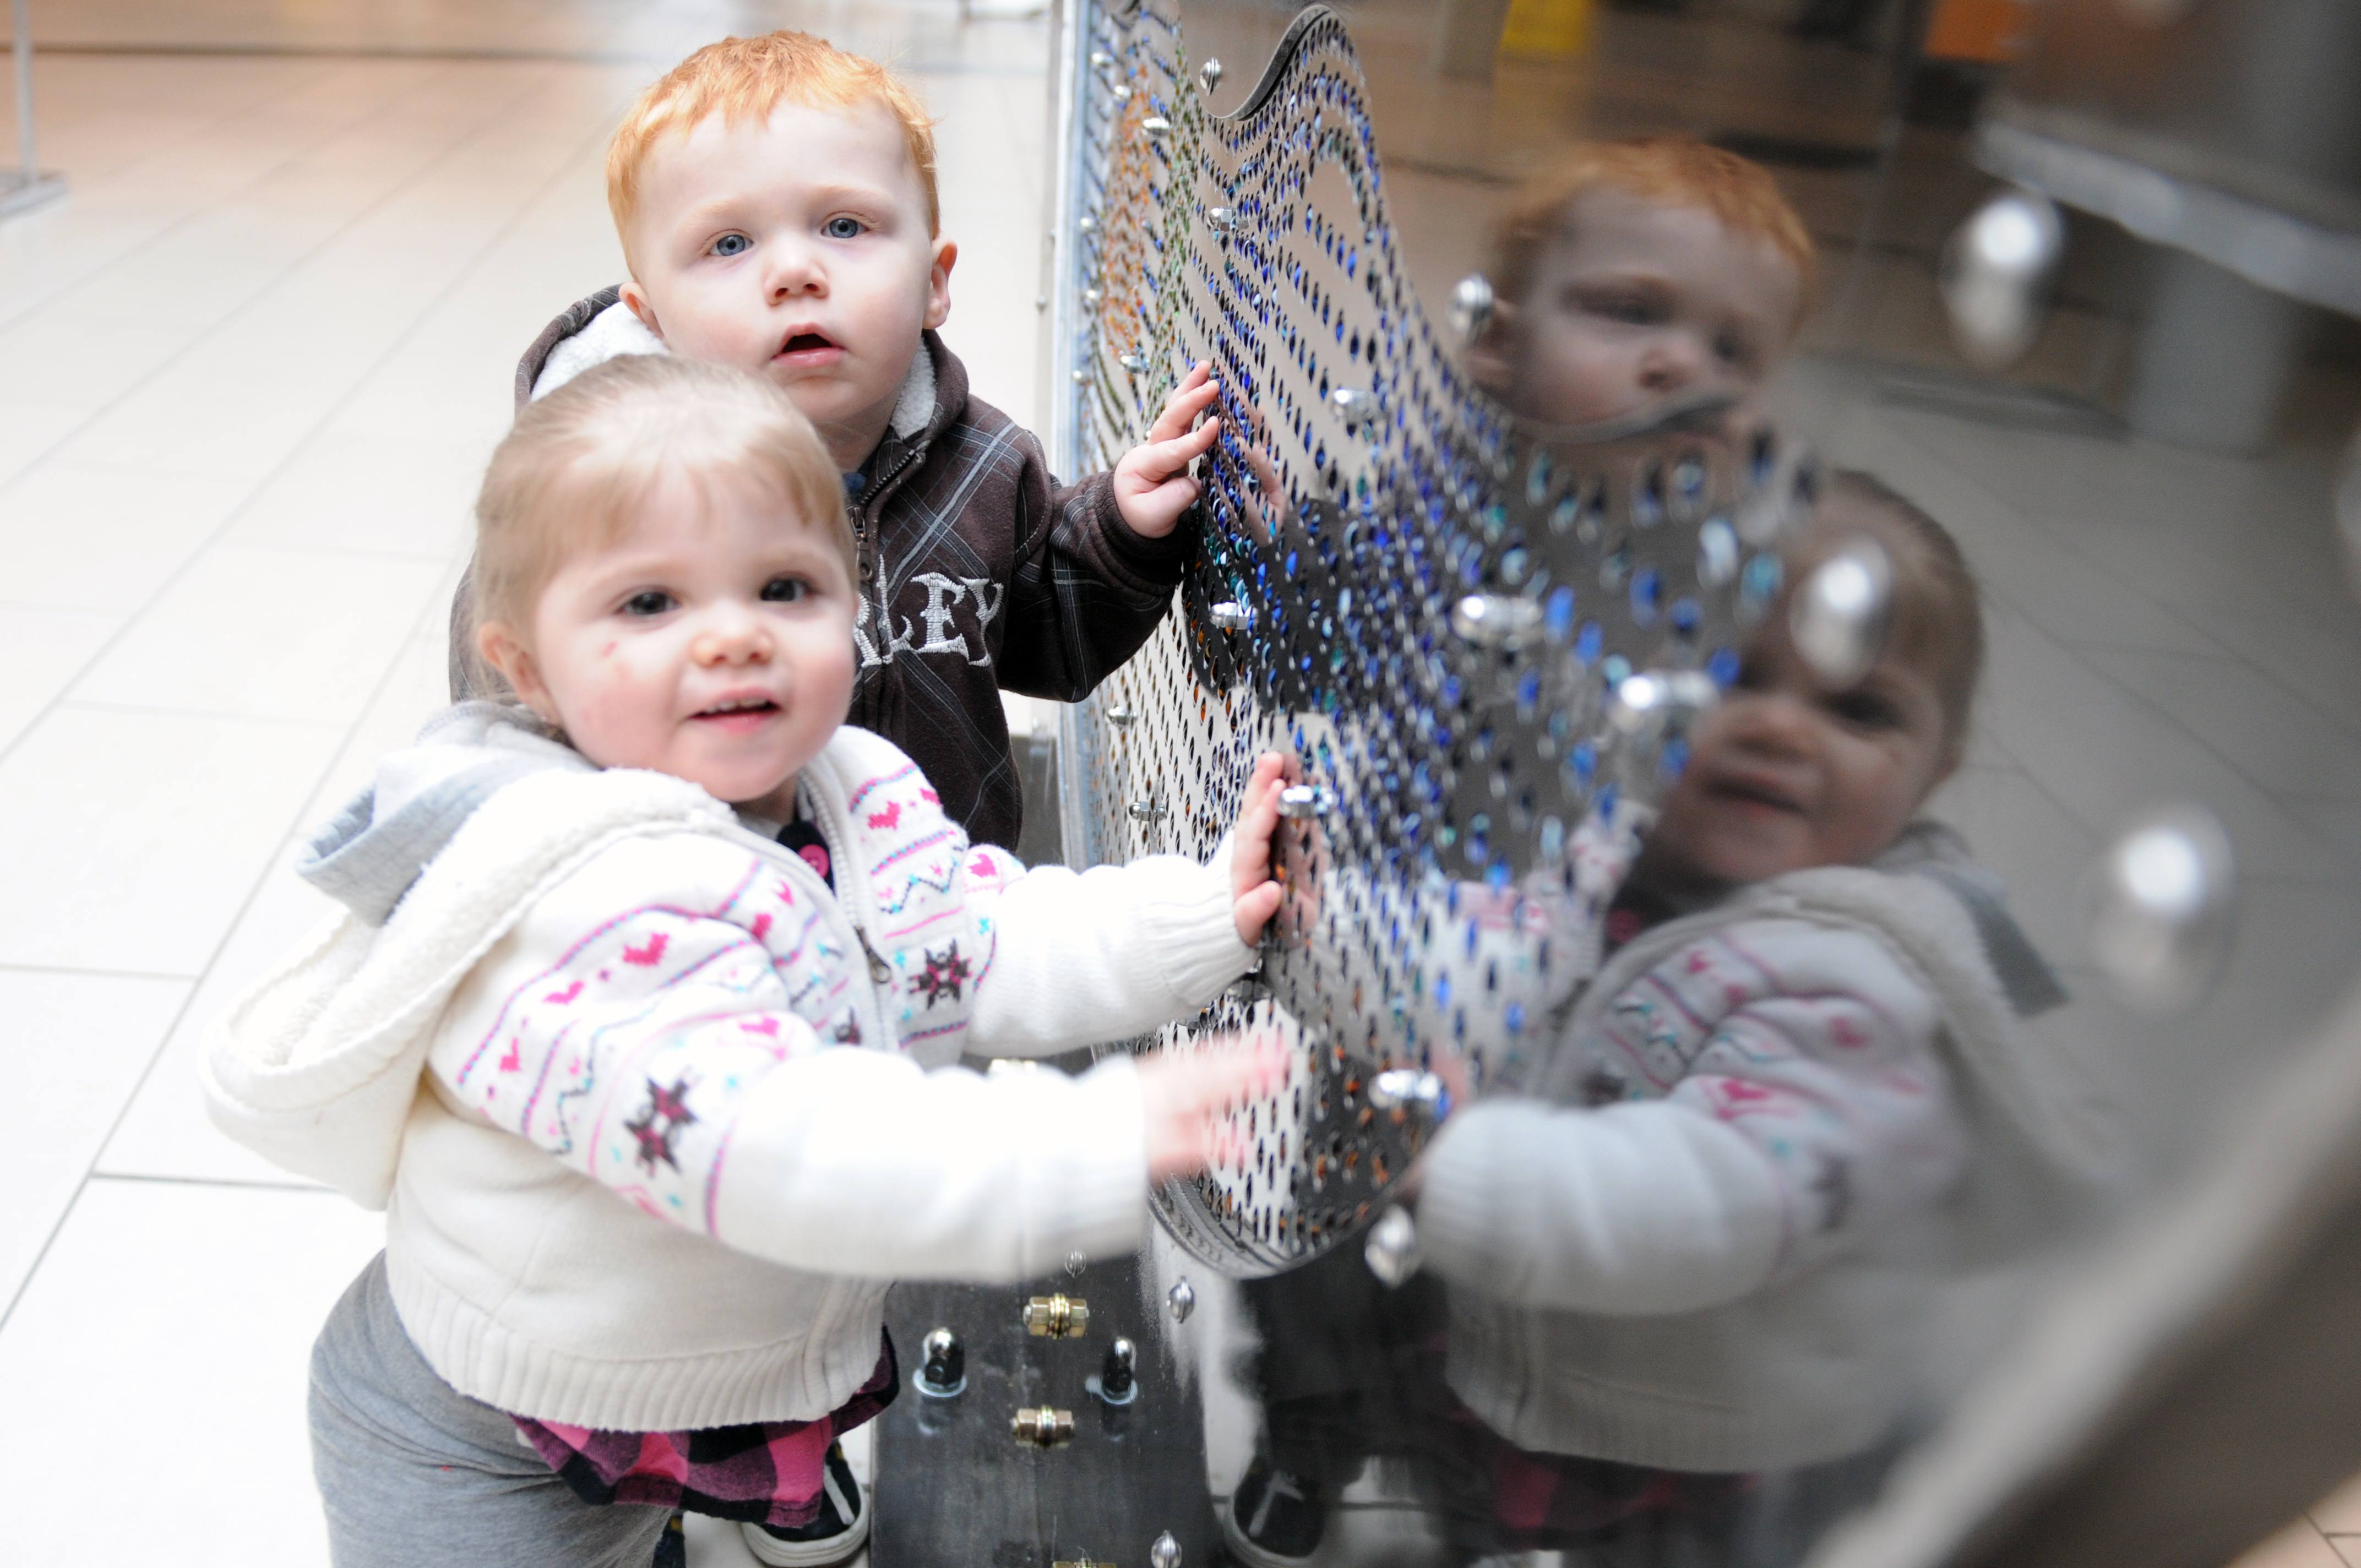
{"x": 1254, "y": 883}
{"x": 1190, "y": 1098}
{"x": 1152, "y": 484}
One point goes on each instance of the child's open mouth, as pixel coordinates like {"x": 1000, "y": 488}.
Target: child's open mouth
{"x": 808, "y": 348}
{"x": 1752, "y": 792}
{"x": 738, "y": 712}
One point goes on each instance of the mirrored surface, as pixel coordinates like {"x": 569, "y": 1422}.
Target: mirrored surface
{"x": 1566, "y": 486}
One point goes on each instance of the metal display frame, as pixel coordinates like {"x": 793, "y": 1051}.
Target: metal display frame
{"x": 29, "y": 185}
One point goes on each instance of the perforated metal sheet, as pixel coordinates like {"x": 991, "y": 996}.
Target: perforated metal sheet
{"x": 1433, "y": 606}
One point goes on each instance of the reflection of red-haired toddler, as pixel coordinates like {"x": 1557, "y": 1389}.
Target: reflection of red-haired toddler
{"x": 1634, "y": 272}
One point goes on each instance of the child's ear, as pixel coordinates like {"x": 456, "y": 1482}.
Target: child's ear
{"x": 1491, "y": 358}
{"x": 641, "y": 307}
{"x": 939, "y": 282}
{"x": 503, "y": 652}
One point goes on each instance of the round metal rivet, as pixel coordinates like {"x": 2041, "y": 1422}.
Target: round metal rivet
{"x": 1839, "y": 616}
{"x": 2162, "y": 902}
{"x": 1470, "y": 310}
{"x": 1392, "y": 1248}
{"x": 1996, "y": 272}
{"x": 1301, "y": 802}
{"x": 1496, "y": 620}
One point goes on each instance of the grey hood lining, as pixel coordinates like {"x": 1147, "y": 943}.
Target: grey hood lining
{"x": 369, "y": 854}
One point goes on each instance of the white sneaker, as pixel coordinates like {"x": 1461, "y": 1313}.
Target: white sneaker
{"x": 840, "y": 1530}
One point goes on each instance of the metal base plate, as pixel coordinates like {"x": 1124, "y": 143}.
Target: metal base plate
{"x": 19, "y": 193}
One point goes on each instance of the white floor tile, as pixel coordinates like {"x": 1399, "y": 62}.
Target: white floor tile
{"x": 173, "y": 426}
{"x": 75, "y": 1046}
{"x": 85, "y": 539}
{"x": 29, "y": 429}
{"x": 2021, "y": 562}
{"x": 135, "y": 837}
{"x": 297, "y": 634}
{"x": 265, "y": 115}
{"x": 2102, "y": 754}
{"x": 165, "y": 1133}
{"x": 2337, "y": 821}
{"x": 187, "y": 1312}
{"x": 364, "y": 491}
{"x": 2265, "y": 732}
{"x": 2300, "y": 1545}
{"x": 77, "y": 362}
{"x": 2340, "y": 1512}
{"x": 415, "y": 688}
{"x": 42, "y": 652}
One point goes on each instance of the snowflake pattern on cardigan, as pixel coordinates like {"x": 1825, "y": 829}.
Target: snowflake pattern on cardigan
{"x": 630, "y": 1056}
{"x": 1843, "y": 1101}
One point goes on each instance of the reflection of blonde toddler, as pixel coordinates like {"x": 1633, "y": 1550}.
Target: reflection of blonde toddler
{"x": 1795, "y": 1096}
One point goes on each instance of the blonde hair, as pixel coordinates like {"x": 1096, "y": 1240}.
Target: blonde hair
{"x": 745, "y": 79}
{"x": 1674, "y": 171}
{"x": 576, "y": 471}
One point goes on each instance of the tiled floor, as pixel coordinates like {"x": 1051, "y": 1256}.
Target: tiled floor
{"x": 248, "y": 374}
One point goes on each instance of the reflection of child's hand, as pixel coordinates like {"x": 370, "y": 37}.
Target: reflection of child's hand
{"x": 1252, "y": 884}
{"x": 1152, "y": 487}
{"x": 1188, "y": 1098}
{"x": 1266, "y": 502}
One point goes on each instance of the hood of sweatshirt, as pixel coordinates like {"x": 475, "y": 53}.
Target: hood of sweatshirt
{"x": 1928, "y": 849}
{"x": 370, "y": 853}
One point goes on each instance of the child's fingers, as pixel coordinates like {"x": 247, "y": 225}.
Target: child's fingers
{"x": 1269, "y": 770}
{"x": 1250, "y": 852}
{"x": 1260, "y": 781}
{"x": 1200, "y": 440}
{"x": 1255, "y": 909}
{"x": 1260, "y": 816}
{"x": 1228, "y": 1070}
{"x": 1164, "y": 459}
{"x": 1185, "y": 404}
{"x": 1192, "y": 1100}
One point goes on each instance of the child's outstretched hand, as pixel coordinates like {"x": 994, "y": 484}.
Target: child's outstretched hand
{"x": 1152, "y": 487}
{"x": 1254, "y": 887}
{"x": 1189, "y": 1098}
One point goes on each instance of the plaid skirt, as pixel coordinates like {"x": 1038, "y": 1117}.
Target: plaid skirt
{"x": 764, "y": 1472}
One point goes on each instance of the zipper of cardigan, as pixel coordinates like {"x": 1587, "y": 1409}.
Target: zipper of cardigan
{"x": 880, "y": 971}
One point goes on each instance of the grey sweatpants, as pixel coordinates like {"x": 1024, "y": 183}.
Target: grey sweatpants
{"x": 416, "y": 1474}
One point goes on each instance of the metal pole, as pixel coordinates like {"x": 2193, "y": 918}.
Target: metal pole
{"x": 28, "y": 187}
{"x": 24, "y": 52}
{"x": 1069, "y": 33}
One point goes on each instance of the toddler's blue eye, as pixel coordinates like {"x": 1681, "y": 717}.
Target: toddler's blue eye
{"x": 648, "y": 602}
{"x": 784, "y": 590}
{"x": 841, "y": 228}
{"x": 731, "y": 245}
